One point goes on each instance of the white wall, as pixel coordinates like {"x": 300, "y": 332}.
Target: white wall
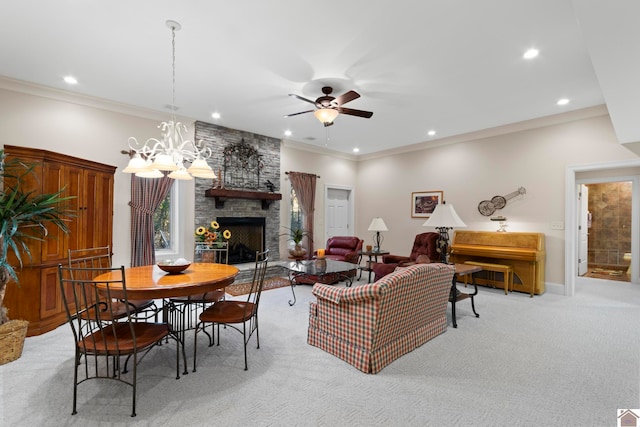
{"x": 335, "y": 171}
{"x": 475, "y": 170}
{"x": 80, "y": 131}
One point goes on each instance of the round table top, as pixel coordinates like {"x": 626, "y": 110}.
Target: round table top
{"x": 149, "y": 282}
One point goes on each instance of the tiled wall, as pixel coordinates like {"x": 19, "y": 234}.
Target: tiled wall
{"x": 218, "y": 137}
{"x": 610, "y": 232}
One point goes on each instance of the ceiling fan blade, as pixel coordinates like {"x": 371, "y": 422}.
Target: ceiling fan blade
{"x": 352, "y": 112}
{"x": 346, "y": 97}
{"x": 301, "y": 112}
{"x": 303, "y": 99}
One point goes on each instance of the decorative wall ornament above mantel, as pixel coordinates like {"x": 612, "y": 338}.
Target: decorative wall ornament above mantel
{"x": 240, "y": 177}
{"x": 242, "y": 164}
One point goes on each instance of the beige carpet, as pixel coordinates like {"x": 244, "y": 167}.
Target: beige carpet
{"x": 269, "y": 283}
{"x": 546, "y": 361}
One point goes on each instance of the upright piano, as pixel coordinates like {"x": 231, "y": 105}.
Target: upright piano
{"x": 524, "y": 252}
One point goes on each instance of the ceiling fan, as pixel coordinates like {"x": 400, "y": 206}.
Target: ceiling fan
{"x": 328, "y": 107}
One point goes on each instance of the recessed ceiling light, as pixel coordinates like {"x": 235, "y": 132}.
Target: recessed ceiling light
{"x": 71, "y": 80}
{"x": 287, "y": 132}
{"x": 215, "y": 115}
{"x": 431, "y": 132}
{"x": 563, "y": 101}
{"x": 356, "y": 150}
{"x": 531, "y": 53}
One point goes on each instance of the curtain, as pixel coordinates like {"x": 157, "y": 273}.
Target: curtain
{"x": 146, "y": 196}
{"x": 304, "y": 185}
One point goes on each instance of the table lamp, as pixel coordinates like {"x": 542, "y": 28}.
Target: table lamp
{"x": 443, "y": 219}
{"x": 377, "y": 225}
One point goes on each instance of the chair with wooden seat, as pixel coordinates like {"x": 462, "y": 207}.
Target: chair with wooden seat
{"x": 91, "y": 260}
{"x": 101, "y": 340}
{"x": 232, "y": 313}
{"x": 184, "y": 311}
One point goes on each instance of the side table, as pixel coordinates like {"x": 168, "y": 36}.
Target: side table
{"x": 373, "y": 257}
{"x": 456, "y": 295}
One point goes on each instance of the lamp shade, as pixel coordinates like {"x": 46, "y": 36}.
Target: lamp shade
{"x": 377, "y": 224}
{"x": 137, "y": 164}
{"x": 444, "y": 216}
{"x": 326, "y": 115}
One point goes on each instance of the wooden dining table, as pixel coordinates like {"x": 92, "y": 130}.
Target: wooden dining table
{"x": 150, "y": 282}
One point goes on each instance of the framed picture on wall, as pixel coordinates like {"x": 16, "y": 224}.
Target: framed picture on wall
{"x": 423, "y": 203}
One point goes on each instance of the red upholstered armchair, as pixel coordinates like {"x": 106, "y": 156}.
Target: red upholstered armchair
{"x": 424, "y": 244}
{"x": 343, "y": 248}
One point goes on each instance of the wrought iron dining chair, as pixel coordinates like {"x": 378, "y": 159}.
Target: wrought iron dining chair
{"x": 183, "y": 311}
{"x": 99, "y": 258}
{"x": 103, "y": 342}
{"x": 234, "y": 312}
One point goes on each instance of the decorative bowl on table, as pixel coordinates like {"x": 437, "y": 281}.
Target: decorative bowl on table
{"x": 174, "y": 266}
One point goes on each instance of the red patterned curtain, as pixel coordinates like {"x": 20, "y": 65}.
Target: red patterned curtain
{"x": 304, "y": 185}
{"x": 146, "y": 196}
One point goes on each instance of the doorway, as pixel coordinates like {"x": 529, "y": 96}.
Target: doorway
{"x": 622, "y": 170}
{"x": 605, "y": 230}
{"x": 339, "y": 214}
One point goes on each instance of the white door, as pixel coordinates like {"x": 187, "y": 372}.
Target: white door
{"x": 338, "y": 212}
{"x": 583, "y": 229}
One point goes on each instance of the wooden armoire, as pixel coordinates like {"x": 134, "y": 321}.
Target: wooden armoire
{"x": 38, "y": 298}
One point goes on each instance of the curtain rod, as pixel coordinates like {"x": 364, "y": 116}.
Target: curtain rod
{"x": 317, "y": 176}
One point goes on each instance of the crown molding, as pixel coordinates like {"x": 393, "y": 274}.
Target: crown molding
{"x": 540, "y": 122}
{"x": 84, "y": 100}
{"x": 318, "y": 150}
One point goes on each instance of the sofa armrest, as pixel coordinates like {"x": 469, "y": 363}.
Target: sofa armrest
{"x": 341, "y": 295}
{"x": 352, "y": 257}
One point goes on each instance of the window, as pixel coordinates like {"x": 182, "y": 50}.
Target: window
{"x": 165, "y": 222}
{"x": 297, "y": 217}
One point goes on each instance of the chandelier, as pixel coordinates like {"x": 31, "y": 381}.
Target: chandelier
{"x": 169, "y": 154}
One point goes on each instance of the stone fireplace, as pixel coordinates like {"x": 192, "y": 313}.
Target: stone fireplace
{"x": 254, "y": 223}
{"x": 247, "y": 237}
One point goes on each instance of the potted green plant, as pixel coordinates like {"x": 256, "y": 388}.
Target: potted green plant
{"x": 296, "y": 235}
{"x": 25, "y": 216}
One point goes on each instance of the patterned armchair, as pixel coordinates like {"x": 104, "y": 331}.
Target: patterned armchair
{"x": 370, "y": 326}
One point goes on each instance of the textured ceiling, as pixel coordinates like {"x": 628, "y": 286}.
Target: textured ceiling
{"x": 451, "y": 66}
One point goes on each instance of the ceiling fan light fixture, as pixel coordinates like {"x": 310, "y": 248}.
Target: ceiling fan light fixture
{"x": 326, "y": 115}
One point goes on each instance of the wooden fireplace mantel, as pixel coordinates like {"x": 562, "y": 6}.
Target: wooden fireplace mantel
{"x": 221, "y": 195}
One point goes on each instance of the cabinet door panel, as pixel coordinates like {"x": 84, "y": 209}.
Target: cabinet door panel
{"x": 104, "y": 210}
{"x": 50, "y": 295}
{"x": 54, "y": 246}
{"x": 90, "y": 209}
{"x": 73, "y": 181}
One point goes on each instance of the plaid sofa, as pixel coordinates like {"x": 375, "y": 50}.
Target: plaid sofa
{"x": 370, "y": 326}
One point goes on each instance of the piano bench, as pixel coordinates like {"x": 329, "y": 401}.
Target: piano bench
{"x": 506, "y": 270}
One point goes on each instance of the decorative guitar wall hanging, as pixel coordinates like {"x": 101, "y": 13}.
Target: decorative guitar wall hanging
{"x": 488, "y": 207}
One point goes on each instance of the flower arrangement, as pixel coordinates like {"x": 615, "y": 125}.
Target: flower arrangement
{"x": 211, "y": 235}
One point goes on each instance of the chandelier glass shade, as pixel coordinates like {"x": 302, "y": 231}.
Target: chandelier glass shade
{"x": 155, "y": 157}
{"x": 326, "y": 115}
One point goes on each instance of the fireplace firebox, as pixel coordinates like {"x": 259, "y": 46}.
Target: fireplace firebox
{"x": 247, "y": 237}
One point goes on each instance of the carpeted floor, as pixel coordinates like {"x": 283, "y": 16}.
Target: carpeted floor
{"x": 550, "y": 360}
{"x": 269, "y": 283}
